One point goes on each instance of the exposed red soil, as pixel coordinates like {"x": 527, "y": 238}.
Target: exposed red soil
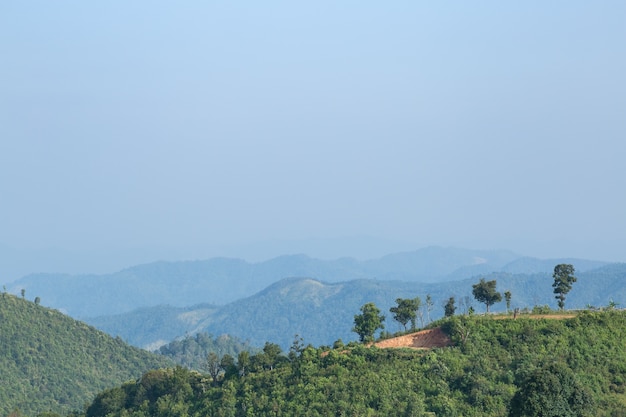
{"x": 434, "y": 338}
{"x": 426, "y": 339}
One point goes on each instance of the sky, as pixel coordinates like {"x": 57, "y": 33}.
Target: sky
{"x": 144, "y": 130}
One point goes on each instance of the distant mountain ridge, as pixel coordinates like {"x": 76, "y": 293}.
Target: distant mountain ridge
{"x": 225, "y": 280}
{"x": 324, "y": 311}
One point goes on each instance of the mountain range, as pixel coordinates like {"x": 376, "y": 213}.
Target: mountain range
{"x": 324, "y": 311}
{"x": 150, "y": 305}
{"x": 220, "y": 281}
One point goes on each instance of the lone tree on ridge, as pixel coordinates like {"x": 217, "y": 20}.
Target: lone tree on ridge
{"x": 449, "y": 308}
{"x": 485, "y": 292}
{"x": 563, "y": 280}
{"x": 507, "y": 298}
{"x": 366, "y": 323}
{"x": 406, "y": 311}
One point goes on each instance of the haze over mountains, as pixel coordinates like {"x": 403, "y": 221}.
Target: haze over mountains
{"x": 324, "y": 311}
{"x": 151, "y": 304}
{"x": 17, "y": 262}
{"x": 223, "y": 280}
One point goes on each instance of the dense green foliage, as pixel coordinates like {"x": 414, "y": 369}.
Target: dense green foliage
{"x": 506, "y": 367}
{"x": 552, "y": 390}
{"x": 50, "y": 362}
{"x": 192, "y": 351}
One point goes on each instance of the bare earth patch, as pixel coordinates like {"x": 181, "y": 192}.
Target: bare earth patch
{"x": 425, "y": 339}
{"x": 434, "y": 338}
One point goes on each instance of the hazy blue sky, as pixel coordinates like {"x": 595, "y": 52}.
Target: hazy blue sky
{"x": 184, "y": 128}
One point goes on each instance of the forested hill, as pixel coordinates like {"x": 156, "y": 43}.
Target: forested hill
{"x": 503, "y": 367}
{"x": 51, "y": 362}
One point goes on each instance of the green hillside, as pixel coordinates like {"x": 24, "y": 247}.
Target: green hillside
{"x": 51, "y": 362}
{"x": 506, "y": 367}
{"x": 192, "y": 351}
{"x": 152, "y": 327}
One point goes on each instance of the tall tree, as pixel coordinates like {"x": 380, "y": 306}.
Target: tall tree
{"x": 406, "y": 311}
{"x": 465, "y": 302}
{"x": 429, "y": 306}
{"x": 228, "y": 365}
{"x": 449, "y": 308}
{"x": 243, "y": 362}
{"x": 563, "y": 280}
{"x": 366, "y": 323}
{"x": 271, "y": 355}
{"x": 296, "y": 349}
{"x": 507, "y": 298}
{"x": 485, "y": 292}
{"x": 213, "y": 366}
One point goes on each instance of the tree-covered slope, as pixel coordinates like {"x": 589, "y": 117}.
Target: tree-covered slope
{"x": 192, "y": 351}
{"x": 152, "y": 327}
{"x": 49, "y": 361}
{"x": 497, "y": 368}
